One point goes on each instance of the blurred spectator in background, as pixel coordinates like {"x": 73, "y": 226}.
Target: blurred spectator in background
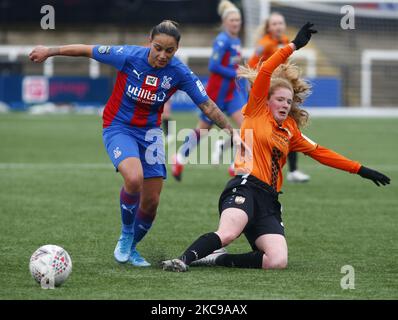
{"x": 221, "y": 86}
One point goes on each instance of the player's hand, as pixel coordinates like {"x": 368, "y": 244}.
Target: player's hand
{"x": 377, "y": 177}
{"x": 39, "y": 54}
{"x": 304, "y": 35}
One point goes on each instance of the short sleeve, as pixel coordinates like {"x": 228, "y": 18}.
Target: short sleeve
{"x": 192, "y": 85}
{"x": 112, "y": 55}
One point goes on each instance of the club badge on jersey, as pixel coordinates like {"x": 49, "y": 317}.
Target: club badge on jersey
{"x": 166, "y": 82}
{"x": 151, "y": 81}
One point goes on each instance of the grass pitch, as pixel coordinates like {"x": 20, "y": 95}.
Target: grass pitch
{"x": 57, "y": 186}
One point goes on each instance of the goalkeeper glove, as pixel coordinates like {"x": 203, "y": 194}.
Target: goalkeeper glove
{"x": 304, "y": 35}
{"x": 377, "y": 177}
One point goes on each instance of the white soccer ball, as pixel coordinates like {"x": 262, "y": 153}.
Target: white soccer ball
{"x": 50, "y": 265}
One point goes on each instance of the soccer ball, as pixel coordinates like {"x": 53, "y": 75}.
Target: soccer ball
{"x": 50, "y": 265}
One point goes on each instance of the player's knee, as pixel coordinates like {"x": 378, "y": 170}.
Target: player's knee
{"x": 227, "y": 237}
{"x": 275, "y": 262}
{"x": 133, "y": 183}
{"x": 280, "y": 264}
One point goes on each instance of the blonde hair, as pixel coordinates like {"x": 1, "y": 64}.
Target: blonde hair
{"x": 263, "y": 28}
{"x": 226, "y": 7}
{"x": 286, "y": 76}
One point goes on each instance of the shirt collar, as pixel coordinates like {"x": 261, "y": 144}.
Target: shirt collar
{"x": 284, "y": 125}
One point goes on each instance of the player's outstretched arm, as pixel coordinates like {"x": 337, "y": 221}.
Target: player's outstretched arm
{"x": 41, "y": 53}
{"x": 213, "y": 112}
{"x": 333, "y": 159}
{"x": 377, "y": 177}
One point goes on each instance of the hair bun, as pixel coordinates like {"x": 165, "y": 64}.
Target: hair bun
{"x": 225, "y": 7}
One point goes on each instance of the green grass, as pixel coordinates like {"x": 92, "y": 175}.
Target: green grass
{"x": 337, "y": 219}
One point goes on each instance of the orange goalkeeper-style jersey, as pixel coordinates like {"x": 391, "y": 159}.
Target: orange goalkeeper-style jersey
{"x": 265, "y": 48}
{"x": 270, "y": 142}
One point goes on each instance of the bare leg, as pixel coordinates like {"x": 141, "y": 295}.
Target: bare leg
{"x": 274, "y": 247}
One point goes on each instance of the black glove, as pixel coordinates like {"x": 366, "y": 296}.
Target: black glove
{"x": 304, "y": 35}
{"x": 373, "y": 175}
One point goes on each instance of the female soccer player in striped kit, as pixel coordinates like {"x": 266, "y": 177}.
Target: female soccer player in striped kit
{"x": 221, "y": 86}
{"x": 249, "y": 204}
{"x": 146, "y": 78}
{"x": 272, "y": 39}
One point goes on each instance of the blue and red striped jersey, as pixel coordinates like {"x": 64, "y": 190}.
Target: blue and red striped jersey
{"x": 140, "y": 90}
{"x": 222, "y": 66}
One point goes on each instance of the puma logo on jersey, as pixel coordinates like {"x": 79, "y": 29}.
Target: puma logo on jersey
{"x": 138, "y": 74}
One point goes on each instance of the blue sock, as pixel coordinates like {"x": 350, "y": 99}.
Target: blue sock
{"x": 142, "y": 224}
{"x": 128, "y": 206}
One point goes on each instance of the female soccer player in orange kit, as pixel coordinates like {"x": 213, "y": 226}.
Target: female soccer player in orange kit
{"x": 274, "y": 38}
{"x": 249, "y": 203}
